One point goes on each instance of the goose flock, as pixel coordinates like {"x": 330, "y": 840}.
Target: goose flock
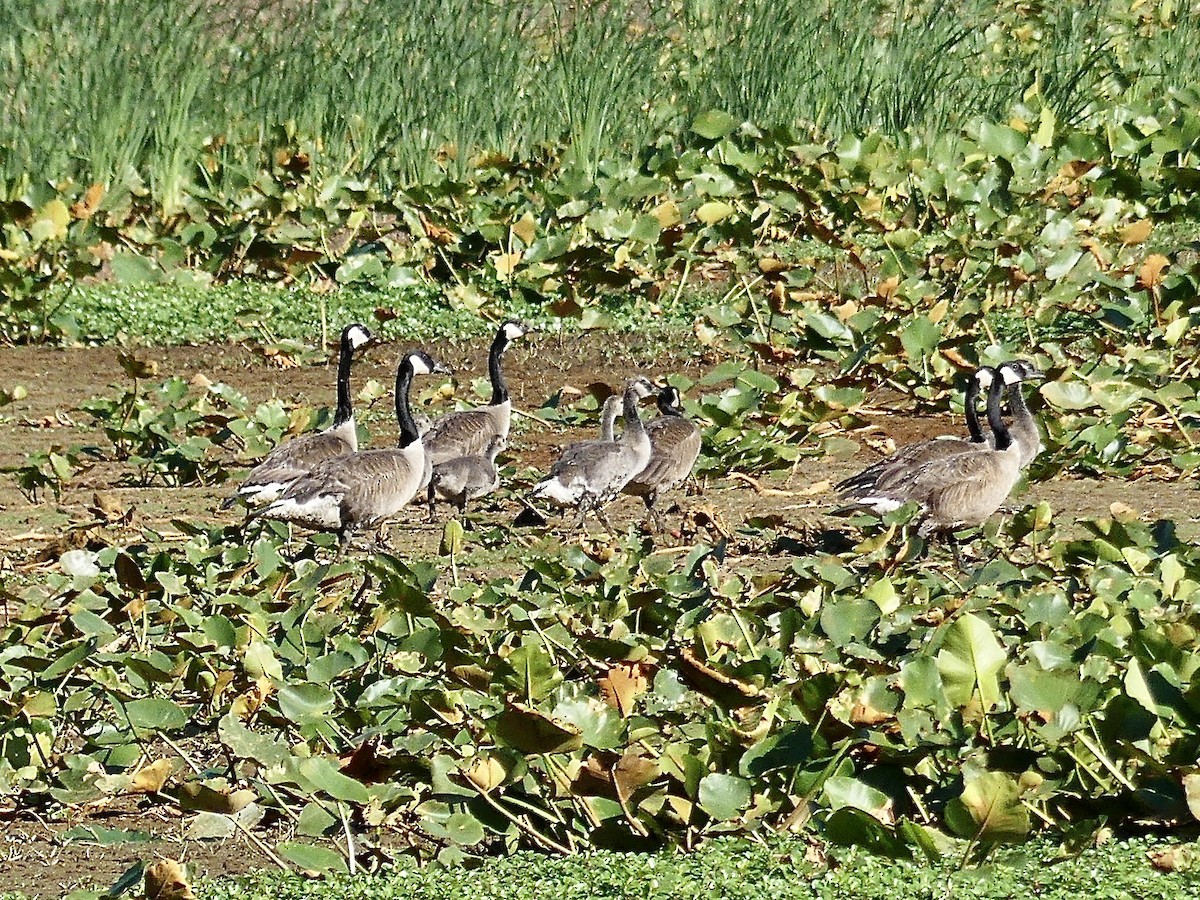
{"x": 323, "y": 482}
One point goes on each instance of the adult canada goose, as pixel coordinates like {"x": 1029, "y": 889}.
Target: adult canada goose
{"x": 595, "y": 474}
{"x": 1024, "y": 426}
{"x": 361, "y": 490}
{"x": 882, "y": 473}
{"x": 964, "y": 489}
{"x": 674, "y": 447}
{"x": 466, "y": 478}
{"x": 467, "y": 433}
{"x": 287, "y": 462}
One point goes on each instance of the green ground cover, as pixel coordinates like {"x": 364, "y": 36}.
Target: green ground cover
{"x": 959, "y": 187}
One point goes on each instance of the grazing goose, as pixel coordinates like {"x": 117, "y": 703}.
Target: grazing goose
{"x": 467, "y": 433}
{"x": 466, "y": 478}
{"x": 879, "y": 475}
{"x": 361, "y": 490}
{"x": 596, "y": 473}
{"x": 674, "y": 447}
{"x": 962, "y": 490}
{"x": 287, "y": 462}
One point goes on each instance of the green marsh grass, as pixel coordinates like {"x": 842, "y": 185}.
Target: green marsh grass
{"x": 196, "y": 95}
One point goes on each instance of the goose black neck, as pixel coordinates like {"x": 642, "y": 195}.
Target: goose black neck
{"x": 499, "y": 388}
{"x": 995, "y": 419}
{"x": 408, "y": 428}
{"x": 1016, "y": 400}
{"x": 666, "y": 406}
{"x": 633, "y": 422}
{"x": 970, "y": 401}
{"x": 344, "y": 411}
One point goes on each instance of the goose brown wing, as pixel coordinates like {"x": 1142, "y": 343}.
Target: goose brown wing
{"x": 296, "y": 458}
{"x": 463, "y": 433}
{"x": 676, "y": 445}
{"x": 890, "y": 470}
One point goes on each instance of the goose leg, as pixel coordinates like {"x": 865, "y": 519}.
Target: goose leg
{"x": 431, "y": 497}
{"x": 953, "y": 542}
{"x": 603, "y": 517}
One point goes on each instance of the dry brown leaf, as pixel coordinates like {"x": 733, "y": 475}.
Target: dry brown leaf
{"x": 167, "y": 880}
{"x": 150, "y": 779}
{"x": 1175, "y": 858}
{"x": 436, "y": 233}
{"x": 631, "y": 772}
{"x": 91, "y": 200}
{"x": 525, "y": 228}
{"x": 1150, "y": 274}
{"x": 1136, "y": 232}
{"x": 887, "y": 287}
{"x": 622, "y": 685}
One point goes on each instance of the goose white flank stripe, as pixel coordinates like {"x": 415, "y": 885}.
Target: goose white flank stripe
{"x": 289, "y": 461}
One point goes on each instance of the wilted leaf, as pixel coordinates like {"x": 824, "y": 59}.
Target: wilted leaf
{"x": 167, "y": 879}
{"x": 1150, "y": 274}
{"x": 622, "y": 685}
{"x": 989, "y": 810}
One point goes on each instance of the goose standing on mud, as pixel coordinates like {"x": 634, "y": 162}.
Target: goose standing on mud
{"x": 466, "y": 478}
{"x": 881, "y": 474}
{"x": 295, "y": 458}
{"x": 674, "y": 448}
{"x": 361, "y": 490}
{"x": 594, "y": 474}
{"x": 468, "y": 432}
{"x": 961, "y": 490}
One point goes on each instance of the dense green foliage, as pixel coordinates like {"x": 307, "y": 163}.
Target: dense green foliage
{"x": 515, "y": 692}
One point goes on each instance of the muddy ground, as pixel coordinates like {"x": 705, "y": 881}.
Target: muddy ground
{"x": 58, "y": 381}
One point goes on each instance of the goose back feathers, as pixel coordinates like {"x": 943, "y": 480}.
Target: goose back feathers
{"x": 595, "y": 474}
{"x": 674, "y": 448}
{"x": 467, "y": 433}
{"x": 293, "y": 459}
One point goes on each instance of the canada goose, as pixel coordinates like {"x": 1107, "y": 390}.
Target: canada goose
{"x": 881, "y": 474}
{"x": 675, "y": 445}
{"x": 609, "y": 413}
{"x": 287, "y": 462}
{"x": 1024, "y": 427}
{"x": 594, "y": 475}
{"x": 467, "y": 433}
{"x": 466, "y": 478}
{"x": 964, "y": 489}
{"x": 361, "y": 490}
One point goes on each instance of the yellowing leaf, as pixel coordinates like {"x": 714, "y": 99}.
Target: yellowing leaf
{"x": 714, "y": 211}
{"x": 487, "y": 773}
{"x": 151, "y": 778}
{"x": 1136, "y": 233}
{"x": 51, "y": 221}
{"x": 505, "y": 263}
{"x": 667, "y": 214}
{"x": 525, "y": 228}
{"x": 989, "y": 809}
